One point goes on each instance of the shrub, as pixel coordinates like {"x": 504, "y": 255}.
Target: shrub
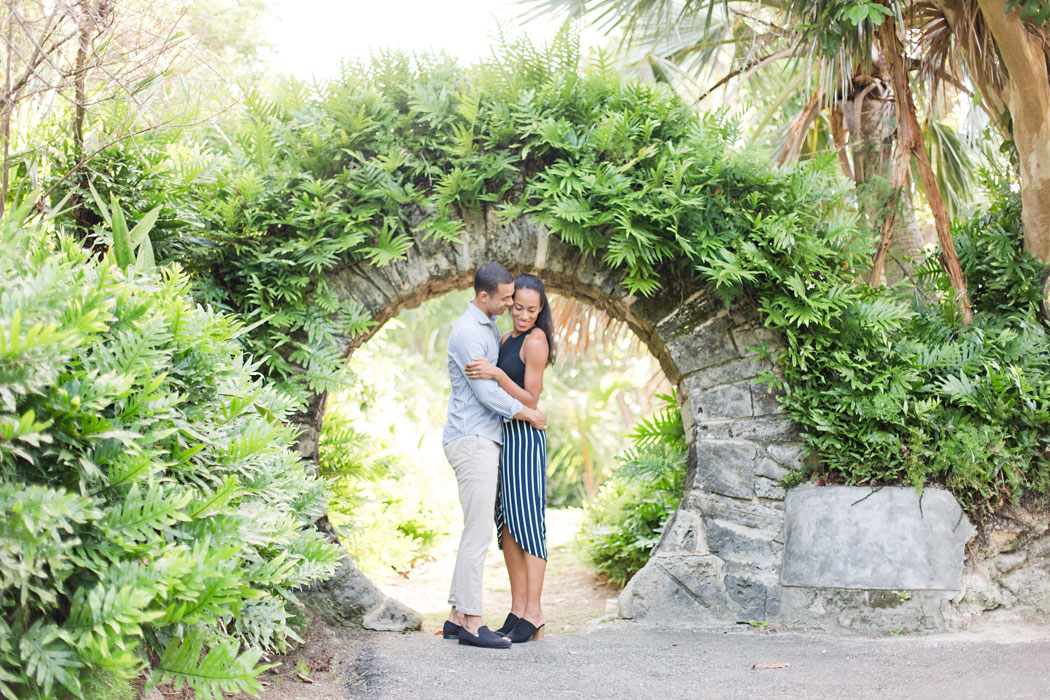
{"x": 927, "y": 401}
{"x": 155, "y": 515}
{"x": 623, "y": 522}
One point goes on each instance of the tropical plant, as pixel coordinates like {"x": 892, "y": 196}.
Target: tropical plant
{"x": 357, "y": 171}
{"x": 155, "y": 514}
{"x": 622, "y": 524}
{"x": 991, "y": 52}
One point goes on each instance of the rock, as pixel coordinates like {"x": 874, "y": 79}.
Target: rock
{"x": 789, "y": 455}
{"x": 729, "y": 539}
{"x": 679, "y": 588}
{"x": 727, "y": 401}
{"x": 980, "y": 593}
{"x": 684, "y": 532}
{"x": 704, "y": 346}
{"x": 392, "y": 616}
{"x": 769, "y": 488}
{"x": 725, "y": 467}
{"x": 764, "y": 399}
{"x": 1030, "y": 585}
{"x": 729, "y": 372}
{"x": 764, "y": 429}
{"x": 350, "y": 598}
{"x": 864, "y": 610}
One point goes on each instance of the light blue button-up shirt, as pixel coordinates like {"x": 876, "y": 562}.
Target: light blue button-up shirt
{"x": 476, "y": 406}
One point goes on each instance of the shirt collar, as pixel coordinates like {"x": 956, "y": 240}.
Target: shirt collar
{"x": 480, "y": 315}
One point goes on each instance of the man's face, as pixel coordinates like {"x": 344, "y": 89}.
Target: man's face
{"x": 496, "y": 304}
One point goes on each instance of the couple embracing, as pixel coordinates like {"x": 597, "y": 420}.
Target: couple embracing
{"x": 495, "y": 441}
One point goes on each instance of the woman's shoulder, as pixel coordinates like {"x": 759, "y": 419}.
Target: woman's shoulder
{"x": 536, "y": 336}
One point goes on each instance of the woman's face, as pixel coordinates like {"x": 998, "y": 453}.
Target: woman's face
{"x": 525, "y": 309}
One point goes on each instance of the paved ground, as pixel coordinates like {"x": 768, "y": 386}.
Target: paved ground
{"x": 625, "y": 660}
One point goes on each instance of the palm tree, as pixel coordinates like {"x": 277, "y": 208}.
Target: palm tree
{"x": 854, "y": 61}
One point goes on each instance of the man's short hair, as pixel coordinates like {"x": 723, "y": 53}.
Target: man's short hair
{"x": 489, "y": 277}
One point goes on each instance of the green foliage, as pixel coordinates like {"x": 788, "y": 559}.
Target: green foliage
{"x": 394, "y": 153}
{"x": 622, "y": 524}
{"x": 910, "y": 396}
{"x": 1035, "y": 11}
{"x": 153, "y": 506}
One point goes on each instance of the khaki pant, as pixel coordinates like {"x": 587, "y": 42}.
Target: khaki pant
{"x": 475, "y": 461}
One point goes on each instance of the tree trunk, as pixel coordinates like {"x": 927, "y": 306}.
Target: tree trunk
{"x": 80, "y": 77}
{"x": 909, "y": 143}
{"x": 872, "y": 121}
{"x": 799, "y": 129}
{"x": 1027, "y": 96}
{"x": 8, "y": 106}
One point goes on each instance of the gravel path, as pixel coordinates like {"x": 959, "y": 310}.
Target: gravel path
{"x": 626, "y": 660}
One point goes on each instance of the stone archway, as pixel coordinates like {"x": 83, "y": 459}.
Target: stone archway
{"x": 720, "y": 555}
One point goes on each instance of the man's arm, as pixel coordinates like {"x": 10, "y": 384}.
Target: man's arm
{"x": 489, "y": 392}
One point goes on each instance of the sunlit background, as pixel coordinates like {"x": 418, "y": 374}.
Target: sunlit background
{"x": 465, "y": 29}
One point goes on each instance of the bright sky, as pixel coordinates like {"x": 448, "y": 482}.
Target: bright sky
{"x": 311, "y": 37}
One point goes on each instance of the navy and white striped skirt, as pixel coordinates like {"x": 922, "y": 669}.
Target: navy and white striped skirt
{"x": 521, "y": 500}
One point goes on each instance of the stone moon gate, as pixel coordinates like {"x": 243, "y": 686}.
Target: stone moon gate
{"x": 719, "y": 557}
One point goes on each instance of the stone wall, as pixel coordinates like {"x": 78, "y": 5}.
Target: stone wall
{"x": 1007, "y": 567}
{"x": 720, "y": 557}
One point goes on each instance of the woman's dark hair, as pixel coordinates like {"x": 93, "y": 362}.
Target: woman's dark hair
{"x": 544, "y": 321}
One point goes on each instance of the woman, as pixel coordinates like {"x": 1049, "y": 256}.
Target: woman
{"x": 521, "y": 503}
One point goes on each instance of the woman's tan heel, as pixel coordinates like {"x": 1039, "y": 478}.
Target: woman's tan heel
{"x": 538, "y": 634}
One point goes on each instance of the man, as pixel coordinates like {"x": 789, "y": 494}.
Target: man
{"x": 472, "y": 439}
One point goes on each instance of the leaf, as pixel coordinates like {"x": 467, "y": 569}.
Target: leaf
{"x": 143, "y": 227}
{"x": 123, "y": 250}
{"x": 221, "y": 670}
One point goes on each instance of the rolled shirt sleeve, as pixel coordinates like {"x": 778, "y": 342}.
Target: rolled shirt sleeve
{"x": 488, "y": 391}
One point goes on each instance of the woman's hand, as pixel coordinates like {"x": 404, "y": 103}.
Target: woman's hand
{"x": 480, "y": 368}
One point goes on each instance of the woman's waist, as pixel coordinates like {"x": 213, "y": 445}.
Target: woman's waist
{"x": 515, "y": 424}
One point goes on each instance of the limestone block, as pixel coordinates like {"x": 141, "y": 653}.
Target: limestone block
{"x": 703, "y": 346}
{"x": 764, "y": 399}
{"x": 729, "y": 539}
{"x": 864, "y": 610}
{"x": 676, "y": 588}
{"x": 773, "y": 471}
{"x": 726, "y": 401}
{"x": 349, "y": 598}
{"x": 684, "y": 532}
{"x": 777, "y": 428}
{"x": 725, "y": 467}
{"x": 1031, "y": 586}
{"x": 762, "y": 515}
{"x": 512, "y": 244}
{"x": 788, "y": 455}
{"x": 392, "y": 616}
{"x": 981, "y": 593}
{"x": 754, "y": 591}
{"x": 677, "y": 311}
{"x": 729, "y": 372}
{"x": 769, "y": 488}
{"x": 856, "y": 538}
{"x": 749, "y": 338}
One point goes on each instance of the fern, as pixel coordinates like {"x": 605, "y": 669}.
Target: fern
{"x": 167, "y": 538}
{"x": 220, "y": 670}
